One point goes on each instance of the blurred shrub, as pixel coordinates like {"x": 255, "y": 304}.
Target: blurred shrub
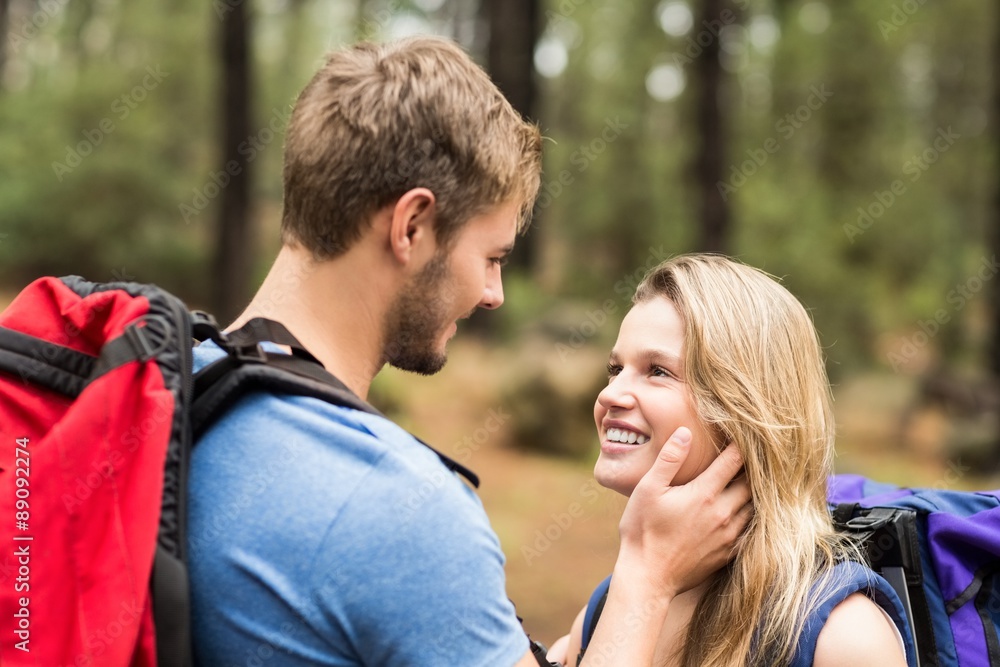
{"x": 554, "y": 416}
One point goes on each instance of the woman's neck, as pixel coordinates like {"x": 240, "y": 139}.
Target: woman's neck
{"x": 674, "y": 635}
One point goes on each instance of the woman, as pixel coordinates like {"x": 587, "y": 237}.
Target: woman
{"x": 724, "y": 350}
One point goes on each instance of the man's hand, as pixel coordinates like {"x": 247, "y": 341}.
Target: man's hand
{"x": 678, "y": 535}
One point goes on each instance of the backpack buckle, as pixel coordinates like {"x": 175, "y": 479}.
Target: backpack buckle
{"x": 253, "y": 354}
{"x": 141, "y": 337}
{"x": 867, "y": 522}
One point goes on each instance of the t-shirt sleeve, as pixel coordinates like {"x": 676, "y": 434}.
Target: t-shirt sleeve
{"x": 423, "y": 581}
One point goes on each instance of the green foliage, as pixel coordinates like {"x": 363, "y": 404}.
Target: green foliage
{"x": 818, "y": 207}
{"x": 819, "y": 210}
{"x": 108, "y": 129}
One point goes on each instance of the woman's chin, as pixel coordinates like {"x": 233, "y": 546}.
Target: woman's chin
{"x": 618, "y": 482}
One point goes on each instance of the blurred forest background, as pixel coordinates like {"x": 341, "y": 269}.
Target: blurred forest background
{"x": 851, "y": 148}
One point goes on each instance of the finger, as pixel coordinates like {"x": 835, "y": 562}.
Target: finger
{"x": 722, "y": 470}
{"x": 737, "y": 493}
{"x": 741, "y": 520}
{"x": 745, "y": 514}
{"x": 671, "y": 457}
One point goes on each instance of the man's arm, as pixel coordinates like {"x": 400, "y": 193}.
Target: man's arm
{"x": 671, "y": 539}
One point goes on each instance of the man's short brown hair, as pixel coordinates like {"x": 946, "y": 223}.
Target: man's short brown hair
{"x": 378, "y": 120}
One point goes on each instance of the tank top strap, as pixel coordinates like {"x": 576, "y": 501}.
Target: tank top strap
{"x": 847, "y": 579}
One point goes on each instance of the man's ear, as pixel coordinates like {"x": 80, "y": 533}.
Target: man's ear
{"x": 411, "y": 228}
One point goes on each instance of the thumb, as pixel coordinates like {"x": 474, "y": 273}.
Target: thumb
{"x": 671, "y": 458}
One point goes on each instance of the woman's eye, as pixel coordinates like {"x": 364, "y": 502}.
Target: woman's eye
{"x": 660, "y": 371}
{"x": 613, "y": 370}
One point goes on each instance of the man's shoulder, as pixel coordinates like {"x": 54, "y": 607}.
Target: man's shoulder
{"x": 302, "y": 422}
{"x": 267, "y": 429}
{"x": 326, "y": 462}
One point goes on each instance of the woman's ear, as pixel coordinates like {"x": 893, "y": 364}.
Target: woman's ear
{"x": 411, "y": 226}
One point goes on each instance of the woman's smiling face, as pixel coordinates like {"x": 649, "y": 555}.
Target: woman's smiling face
{"x": 647, "y": 399}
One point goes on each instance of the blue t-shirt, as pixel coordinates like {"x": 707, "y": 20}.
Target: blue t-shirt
{"x": 321, "y": 535}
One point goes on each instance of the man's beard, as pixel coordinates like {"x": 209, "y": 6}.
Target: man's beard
{"x": 417, "y": 319}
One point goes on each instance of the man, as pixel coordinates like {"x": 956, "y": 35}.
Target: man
{"x": 321, "y": 535}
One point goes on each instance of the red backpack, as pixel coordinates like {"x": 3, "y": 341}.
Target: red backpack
{"x": 91, "y": 395}
{"x": 98, "y": 413}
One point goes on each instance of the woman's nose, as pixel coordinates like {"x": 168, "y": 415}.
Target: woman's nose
{"x": 618, "y": 393}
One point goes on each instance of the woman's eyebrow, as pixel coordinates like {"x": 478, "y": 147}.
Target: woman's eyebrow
{"x": 649, "y": 355}
{"x": 662, "y": 356}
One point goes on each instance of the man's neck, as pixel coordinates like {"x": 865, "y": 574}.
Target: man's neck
{"x": 329, "y": 308}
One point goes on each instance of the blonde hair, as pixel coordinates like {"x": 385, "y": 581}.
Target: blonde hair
{"x": 755, "y": 369}
{"x": 378, "y": 120}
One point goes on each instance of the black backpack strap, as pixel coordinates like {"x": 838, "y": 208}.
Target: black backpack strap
{"x": 538, "y": 650}
{"x": 890, "y": 539}
{"x": 260, "y": 330}
{"x": 36, "y": 361}
{"x": 171, "y": 611}
{"x": 540, "y": 653}
{"x": 248, "y": 367}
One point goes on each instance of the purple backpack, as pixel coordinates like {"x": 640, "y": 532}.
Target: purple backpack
{"x": 940, "y": 551}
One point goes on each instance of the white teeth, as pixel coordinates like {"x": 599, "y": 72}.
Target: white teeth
{"x": 626, "y": 437}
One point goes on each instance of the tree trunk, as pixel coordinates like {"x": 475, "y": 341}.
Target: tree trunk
{"x": 514, "y": 29}
{"x": 233, "y": 259}
{"x": 993, "y": 221}
{"x": 709, "y": 161}
{"x": 4, "y": 31}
